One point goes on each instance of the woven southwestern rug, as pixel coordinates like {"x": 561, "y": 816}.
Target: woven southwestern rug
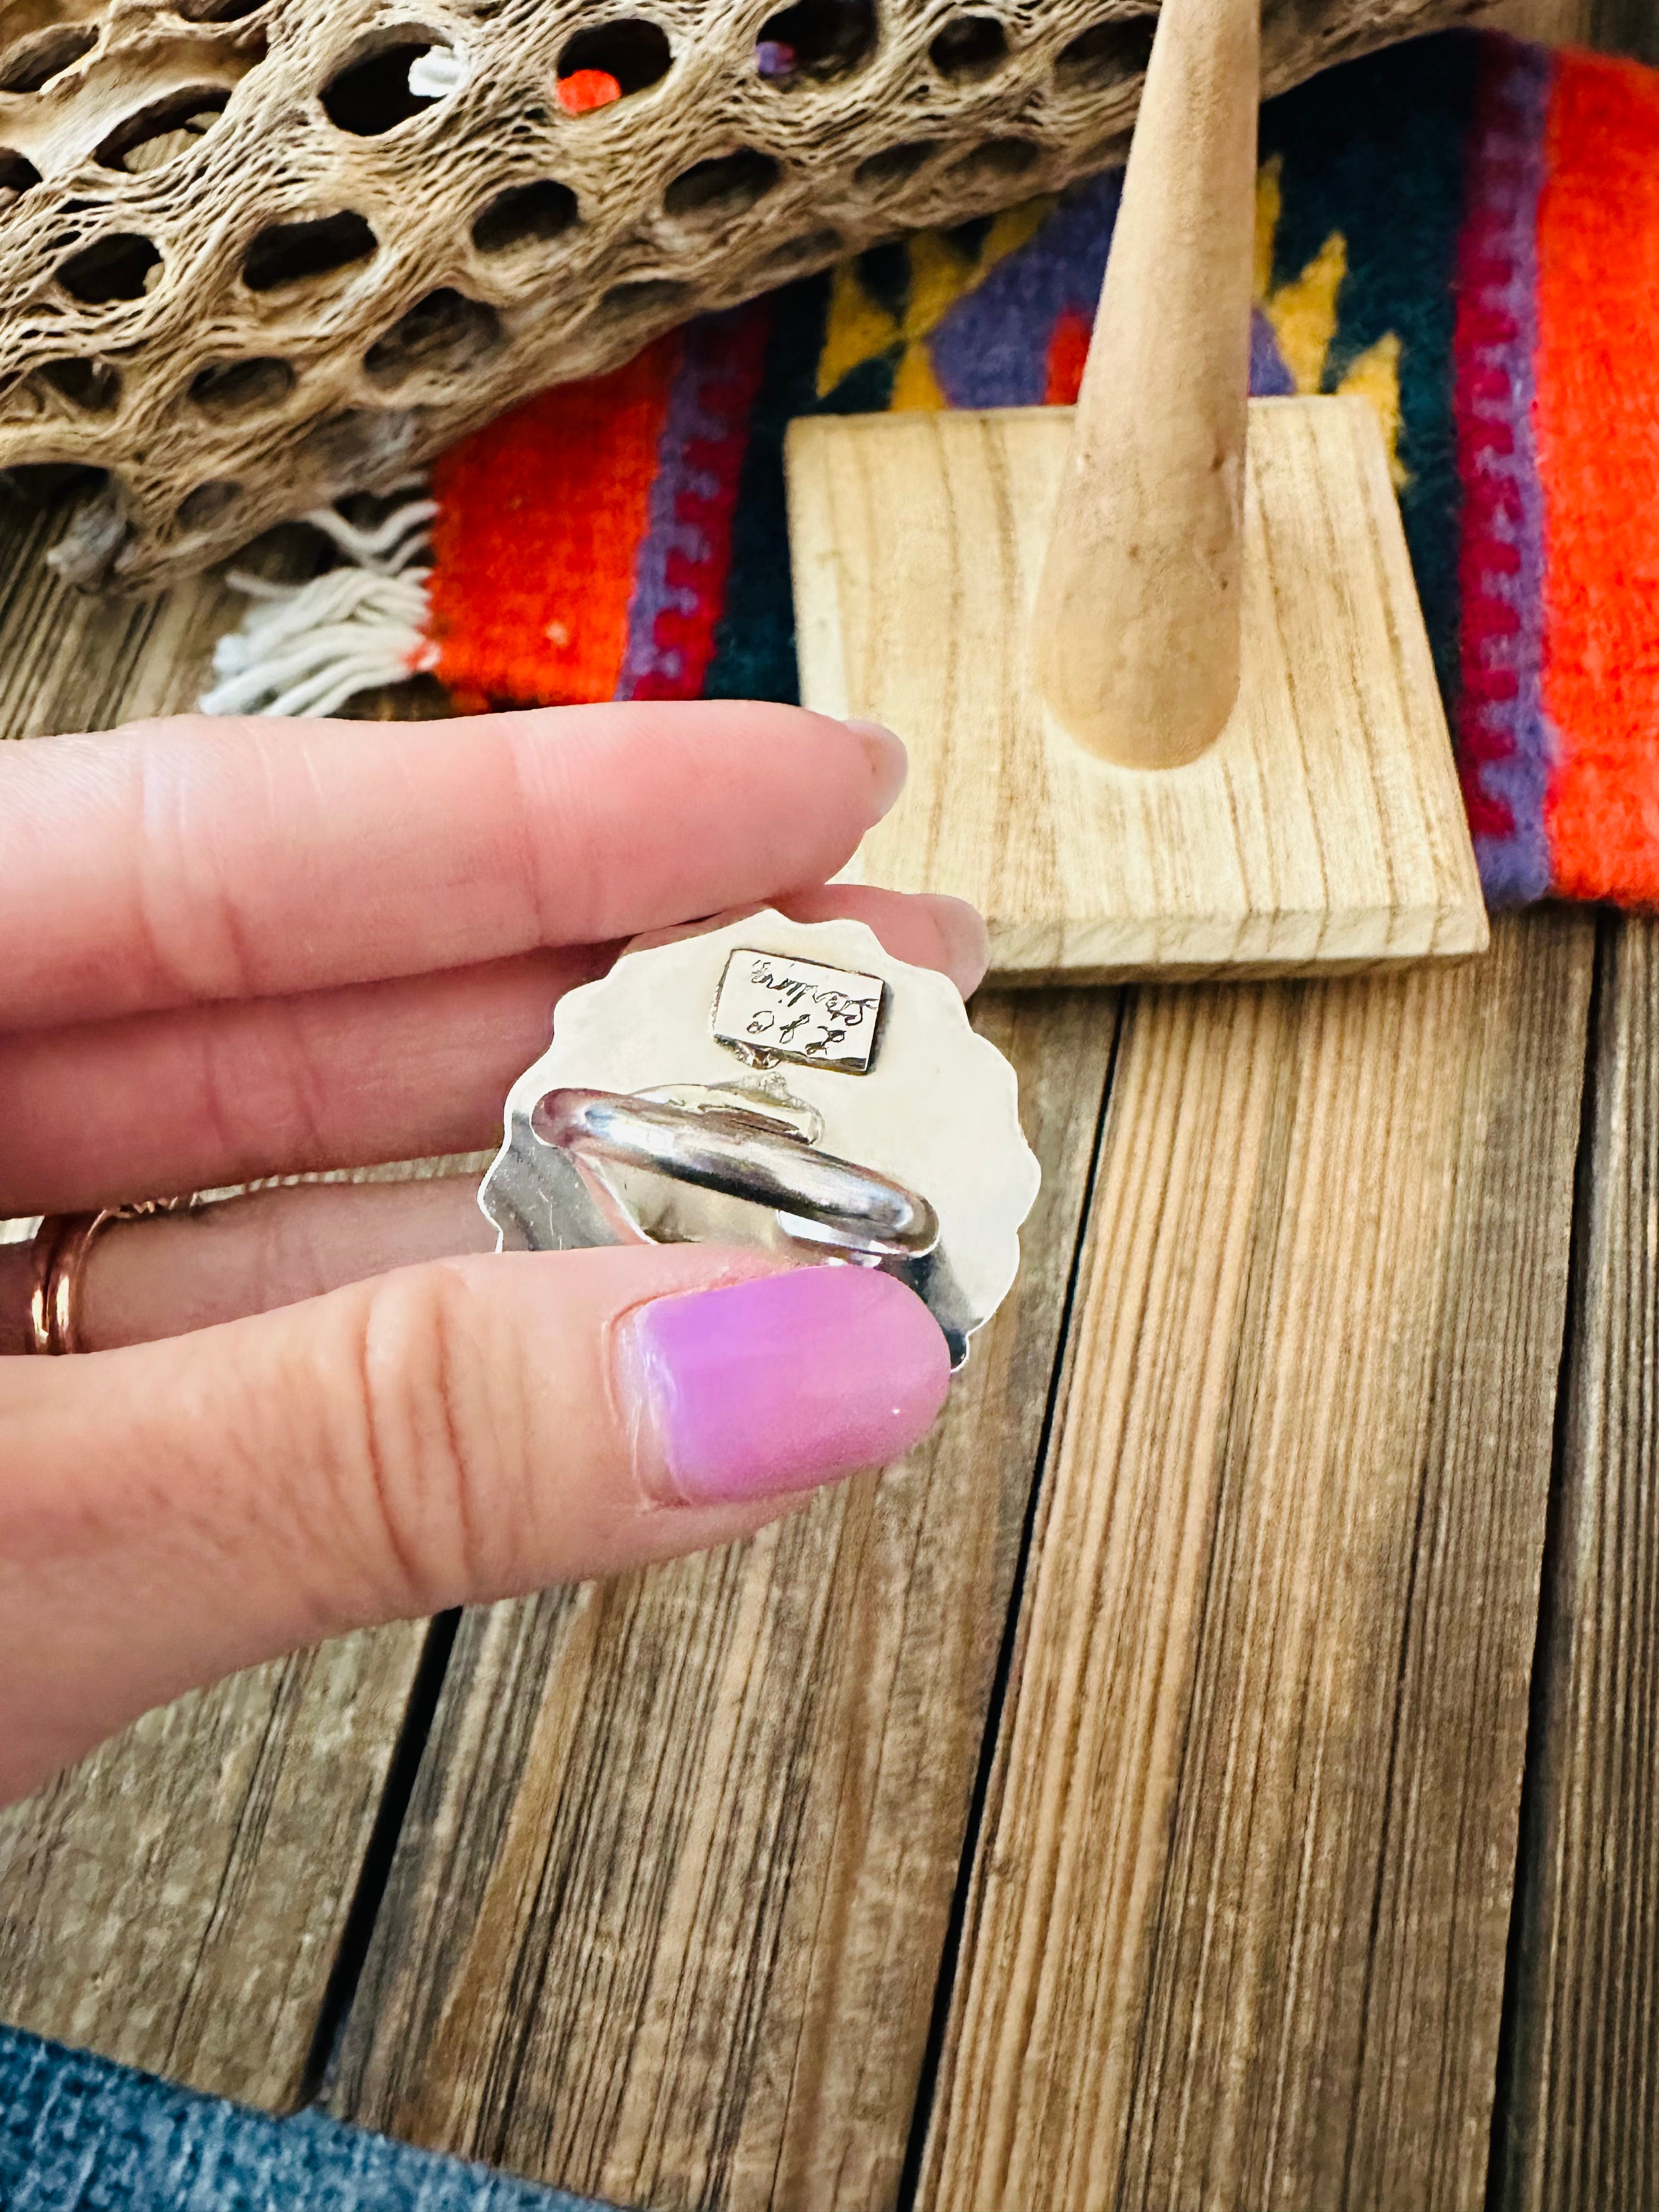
{"x": 1465, "y": 230}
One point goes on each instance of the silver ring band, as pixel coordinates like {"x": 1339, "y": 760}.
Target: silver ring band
{"x": 737, "y": 1155}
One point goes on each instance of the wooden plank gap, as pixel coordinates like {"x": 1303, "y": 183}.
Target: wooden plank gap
{"x": 1502, "y": 2160}
{"x": 1578, "y": 2125}
{"x": 1243, "y": 1880}
{"x": 375, "y": 1869}
{"x": 956, "y": 1930}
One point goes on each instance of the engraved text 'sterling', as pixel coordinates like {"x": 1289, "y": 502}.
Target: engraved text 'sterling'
{"x": 798, "y": 1010}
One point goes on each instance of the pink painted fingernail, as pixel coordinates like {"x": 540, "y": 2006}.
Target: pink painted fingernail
{"x": 779, "y": 1383}
{"x": 889, "y": 759}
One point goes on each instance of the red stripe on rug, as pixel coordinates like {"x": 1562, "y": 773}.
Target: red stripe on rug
{"x": 539, "y": 520}
{"x": 1598, "y": 442}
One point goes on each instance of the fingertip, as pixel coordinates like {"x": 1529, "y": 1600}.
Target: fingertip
{"x": 928, "y": 928}
{"x": 889, "y": 763}
{"x": 965, "y": 939}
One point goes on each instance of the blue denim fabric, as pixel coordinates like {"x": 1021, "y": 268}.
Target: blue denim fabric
{"x": 78, "y": 2134}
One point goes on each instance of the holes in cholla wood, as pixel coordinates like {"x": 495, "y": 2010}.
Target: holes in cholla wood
{"x": 166, "y": 128}
{"x": 123, "y": 266}
{"x": 631, "y": 53}
{"x": 998, "y": 162}
{"x": 40, "y": 484}
{"x": 17, "y": 175}
{"x": 91, "y": 540}
{"x": 368, "y": 445}
{"x": 635, "y": 302}
{"x": 371, "y": 94}
{"x": 285, "y": 253}
{"x": 895, "y": 165}
{"x": 33, "y": 62}
{"x": 228, "y": 389}
{"x": 524, "y": 213}
{"x": 199, "y": 509}
{"x": 216, "y": 11}
{"x": 971, "y": 47}
{"x": 91, "y": 388}
{"x": 729, "y": 184}
{"x": 801, "y": 254}
{"x": 815, "y": 41}
{"x": 445, "y": 334}
{"x": 1106, "y": 54}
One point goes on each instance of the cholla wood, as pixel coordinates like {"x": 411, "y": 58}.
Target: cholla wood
{"x": 247, "y": 269}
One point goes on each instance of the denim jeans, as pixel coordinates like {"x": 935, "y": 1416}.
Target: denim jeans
{"x": 79, "y": 2133}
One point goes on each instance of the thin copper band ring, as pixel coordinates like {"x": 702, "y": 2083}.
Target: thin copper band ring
{"x": 57, "y": 1262}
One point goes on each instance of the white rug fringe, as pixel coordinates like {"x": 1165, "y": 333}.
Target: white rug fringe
{"x": 307, "y": 648}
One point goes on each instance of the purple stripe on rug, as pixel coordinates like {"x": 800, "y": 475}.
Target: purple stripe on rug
{"x": 991, "y": 349}
{"x": 695, "y": 417}
{"x": 1269, "y": 378}
{"x": 1506, "y": 744}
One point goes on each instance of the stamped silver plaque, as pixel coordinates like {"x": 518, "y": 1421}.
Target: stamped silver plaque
{"x": 772, "y": 1007}
{"x": 699, "y": 1093}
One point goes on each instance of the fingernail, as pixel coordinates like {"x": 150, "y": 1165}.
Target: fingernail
{"x": 779, "y": 1383}
{"x": 889, "y": 761}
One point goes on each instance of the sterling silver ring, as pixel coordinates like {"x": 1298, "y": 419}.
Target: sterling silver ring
{"x": 788, "y": 1086}
{"x": 736, "y": 1154}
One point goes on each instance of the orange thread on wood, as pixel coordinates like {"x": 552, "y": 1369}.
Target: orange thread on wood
{"x": 584, "y": 90}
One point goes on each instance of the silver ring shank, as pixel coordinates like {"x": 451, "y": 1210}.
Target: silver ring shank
{"x": 736, "y": 1156}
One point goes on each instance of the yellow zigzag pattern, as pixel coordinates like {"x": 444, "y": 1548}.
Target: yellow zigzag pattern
{"x": 1303, "y": 313}
{"x": 859, "y": 329}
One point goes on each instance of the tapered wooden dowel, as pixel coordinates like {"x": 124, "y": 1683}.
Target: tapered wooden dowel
{"x": 1137, "y": 621}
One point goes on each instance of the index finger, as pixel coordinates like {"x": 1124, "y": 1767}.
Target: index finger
{"x": 179, "y": 862}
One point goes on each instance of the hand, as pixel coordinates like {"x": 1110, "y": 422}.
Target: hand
{"x": 239, "y": 950}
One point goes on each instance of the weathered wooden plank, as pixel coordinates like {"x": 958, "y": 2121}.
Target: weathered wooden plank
{"x": 667, "y": 1915}
{"x": 178, "y": 1901}
{"x": 69, "y": 663}
{"x": 1581, "y": 2096}
{"x": 1236, "y": 1933}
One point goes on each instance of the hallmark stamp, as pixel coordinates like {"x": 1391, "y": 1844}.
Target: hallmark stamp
{"x": 801, "y": 1009}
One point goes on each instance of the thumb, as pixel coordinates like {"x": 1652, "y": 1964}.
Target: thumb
{"x": 451, "y": 1433}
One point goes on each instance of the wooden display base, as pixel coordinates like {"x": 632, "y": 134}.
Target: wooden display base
{"x": 1322, "y": 831}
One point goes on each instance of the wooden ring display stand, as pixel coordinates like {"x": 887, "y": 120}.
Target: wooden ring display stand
{"x": 1158, "y": 659}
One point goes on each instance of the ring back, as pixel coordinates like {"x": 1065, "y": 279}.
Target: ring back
{"x": 784, "y": 1085}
